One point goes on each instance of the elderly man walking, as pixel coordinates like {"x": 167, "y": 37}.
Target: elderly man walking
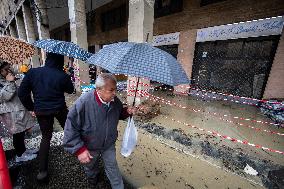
{"x": 91, "y": 129}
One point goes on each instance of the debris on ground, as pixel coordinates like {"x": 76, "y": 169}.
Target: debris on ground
{"x": 65, "y": 171}
{"x": 249, "y": 170}
{"x": 277, "y": 178}
{"x": 274, "y": 110}
{"x": 150, "y": 110}
{"x": 221, "y": 155}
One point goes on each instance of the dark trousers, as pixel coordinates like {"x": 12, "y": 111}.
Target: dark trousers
{"x": 19, "y": 143}
{"x": 110, "y": 165}
{"x": 46, "y": 122}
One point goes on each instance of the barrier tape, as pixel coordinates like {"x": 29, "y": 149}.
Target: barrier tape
{"x": 227, "y": 137}
{"x": 241, "y": 124}
{"x": 232, "y": 139}
{"x": 235, "y": 117}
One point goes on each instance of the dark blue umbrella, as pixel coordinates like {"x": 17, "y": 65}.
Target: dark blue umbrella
{"x": 140, "y": 60}
{"x": 64, "y": 48}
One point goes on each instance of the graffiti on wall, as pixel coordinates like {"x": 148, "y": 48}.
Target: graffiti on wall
{"x": 167, "y": 39}
{"x": 256, "y": 28}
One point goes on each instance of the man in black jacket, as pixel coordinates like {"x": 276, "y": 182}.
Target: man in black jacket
{"x": 47, "y": 84}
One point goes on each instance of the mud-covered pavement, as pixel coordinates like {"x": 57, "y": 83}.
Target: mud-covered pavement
{"x": 65, "y": 172}
{"x": 172, "y": 155}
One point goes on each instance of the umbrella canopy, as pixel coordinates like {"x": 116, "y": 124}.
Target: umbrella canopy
{"x": 64, "y": 48}
{"x": 15, "y": 51}
{"x": 140, "y": 60}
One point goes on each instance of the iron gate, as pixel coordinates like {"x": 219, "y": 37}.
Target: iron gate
{"x": 240, "y": 66}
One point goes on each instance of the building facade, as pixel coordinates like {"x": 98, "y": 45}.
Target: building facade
{"x": 231, "y": 46}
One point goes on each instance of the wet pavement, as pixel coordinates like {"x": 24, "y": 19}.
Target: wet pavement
{"x": 65, "y": 171}
{"x": 226, "y": 118}
{"x": 223, "y": 156}
{"x": 177, "y": 156}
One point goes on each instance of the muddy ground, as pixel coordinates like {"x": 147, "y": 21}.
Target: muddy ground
{"x": 172, "y": 155}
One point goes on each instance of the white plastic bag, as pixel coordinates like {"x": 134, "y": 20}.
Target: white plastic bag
{"x": 249, "y": 170}
{"x": 129, "y": 138}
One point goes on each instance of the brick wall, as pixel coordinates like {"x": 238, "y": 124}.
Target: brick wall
{"x": 99, "y": 37}
{"x": 193, "y": 17}
{"x": 186, "y": 50}
{"x": 186, "y": 55}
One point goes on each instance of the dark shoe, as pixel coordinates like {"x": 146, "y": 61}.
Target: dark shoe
{"x": 42, "y": 177}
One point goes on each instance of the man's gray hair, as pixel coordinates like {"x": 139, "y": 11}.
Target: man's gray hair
{"x": 101, "y": 80}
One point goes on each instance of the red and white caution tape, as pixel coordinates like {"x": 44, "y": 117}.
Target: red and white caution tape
{"x": 228, "y": 137}
{"x": 235, "y": 96}
{"x": 235, "y": 117}
{"x": 232, "y": 139}
{"x": 154, "y": 98}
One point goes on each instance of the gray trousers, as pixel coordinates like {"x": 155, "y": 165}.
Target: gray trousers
{"x": 110, "y": 166}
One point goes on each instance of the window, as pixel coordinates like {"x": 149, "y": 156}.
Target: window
{"x": 91, "y": 22}
{"x": 171, "y": 49}
{"x": 115, "y": 18}
{"x": 208, "y": 2}
{"x": 167, "y": 7}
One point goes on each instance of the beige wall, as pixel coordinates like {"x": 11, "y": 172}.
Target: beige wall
{"x": 275, "y": 84}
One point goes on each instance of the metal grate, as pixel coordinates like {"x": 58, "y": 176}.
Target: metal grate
{"x": 240, "y": 67}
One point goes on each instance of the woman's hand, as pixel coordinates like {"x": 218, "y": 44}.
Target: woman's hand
{"x": 33, "y": 113}
{"x": 10, "y": 77}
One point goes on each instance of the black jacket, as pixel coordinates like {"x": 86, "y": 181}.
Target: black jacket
{"x": 47, "y": 84}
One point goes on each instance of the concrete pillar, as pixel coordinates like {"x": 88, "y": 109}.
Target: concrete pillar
{"x": 140, "y": 29}
{"x": 274, "y": 87}
{"x": 42, "y": 23}
{"x": 30, "y": 31}
{"x": 13, "y": 31}
{"x": 187, "y": 40}
{"x": 99, "y": 69}
{"x": 78, "y": 28}
{"x": 42, "y": 20}
{"x": 21, "y": 27}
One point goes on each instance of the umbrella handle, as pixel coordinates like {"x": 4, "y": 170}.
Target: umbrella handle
{"x": 136, "y": 92}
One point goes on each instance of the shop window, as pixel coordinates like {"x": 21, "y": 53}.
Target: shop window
{"x": 167, "y": 7}
{"x": 208, "y": 2}
{"x": 114, "y": 18}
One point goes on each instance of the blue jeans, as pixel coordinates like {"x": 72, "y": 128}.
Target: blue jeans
{"x": 110, "y": 166}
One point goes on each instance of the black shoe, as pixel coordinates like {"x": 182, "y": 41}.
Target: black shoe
{"x": 42, "y": 177}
